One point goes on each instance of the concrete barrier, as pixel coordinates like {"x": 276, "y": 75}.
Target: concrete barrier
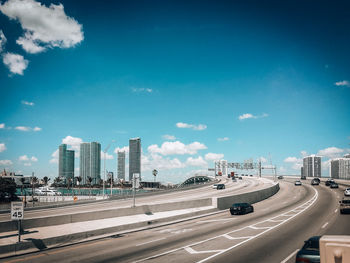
{"x": 252, "y": 197}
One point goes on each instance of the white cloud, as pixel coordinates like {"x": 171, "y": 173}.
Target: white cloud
{"x": 73, "y": 142}
{"x": 34, "y": 159}
{"x": 27, "y": 103}
{"x": 262, "y": 159}
{"x": 54, "y": 156}
{"x": 196, "y": 161}
{"x": 303, "y": 153}
{"x": 15, "y": 63}
{"x": 331, "y": 152}
{"x": 214, "y": 156}
{"x": 123, "y": 149}
{"x": 2, "y": 147}
{"x": 27, "y": 164}
{"x": 198, "y": 127}
{"x": 223, "y": 139}
{"x": 44, "y": 27}
{"x": 108, "y": 156}
{"x": 2, "y": 125}
{"x": 251, "y": 116}
{"x": 139, "y": 90}
{"x": 169, "y": 137}
{"x": 156, "y": 161}
{"x": 291, "y": 160}
{"x": 5, "y": 162}
{"x": 343, "y": 83}
{"x": 177, "y": 147}
{"x": 3, "y": 41}
{"x": 27, "y": 129}
{"x": 23, "y": 158}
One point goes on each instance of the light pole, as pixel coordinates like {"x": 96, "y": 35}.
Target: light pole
{"x": 104, "y": 167}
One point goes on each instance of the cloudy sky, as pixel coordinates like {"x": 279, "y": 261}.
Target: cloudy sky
{"x": 196, "y": 80}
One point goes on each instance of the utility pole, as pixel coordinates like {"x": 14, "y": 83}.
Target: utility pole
{"x": 104, "y": 167}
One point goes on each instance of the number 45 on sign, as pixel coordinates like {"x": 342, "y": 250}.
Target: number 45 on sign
{"x": 16, "y": 210}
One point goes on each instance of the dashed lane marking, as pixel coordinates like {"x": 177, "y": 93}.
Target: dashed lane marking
{"x": 325, "y": 225}
{"x": 144, "y": 243}
{"x": 290, "y": 256}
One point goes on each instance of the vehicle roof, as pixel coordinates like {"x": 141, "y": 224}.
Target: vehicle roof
{"x": 239, "y": 204}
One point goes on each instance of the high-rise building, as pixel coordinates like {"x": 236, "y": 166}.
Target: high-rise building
{"x": 340, "y": 168}
{"x": 312, "y": 166}
{"x": 90, "y": 162}
{"x": 223, "y": 164}
{"x": 134, "y": 157}
{"x": 65, "y": 162}
{"x": 121, "y": 165}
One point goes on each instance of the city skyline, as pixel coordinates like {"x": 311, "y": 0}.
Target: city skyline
{"x": 232, "y": 80}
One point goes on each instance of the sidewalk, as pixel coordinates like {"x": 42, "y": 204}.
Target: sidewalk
{"x": 41, "y": 238}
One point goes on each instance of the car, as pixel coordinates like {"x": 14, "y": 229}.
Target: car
{"x": 317, "y": 179}
{"x": 344, "y": 205}
{"x": 215, "y": 186}
{"x": 310, "y": 252}
{"x": 347, "y": 192}
{"x": 241, "y": 208}
{"x": 251, "y": 175}
{"x": 315, "y": 182}
{"x": 234, "y": 179}
{"x": 280, "y": 177}
{"x": 334, "y": 185}
{"x": 297, "y": 183}
{"x": 329, "y": 182}
{"x": 220, "y": 187}
{"x": 240, "y": 178}
{"x": 303, "y": 177}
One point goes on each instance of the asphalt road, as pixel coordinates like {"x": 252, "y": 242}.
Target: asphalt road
{"x": 241, "y": 186}
{"x": 273, "y": 233}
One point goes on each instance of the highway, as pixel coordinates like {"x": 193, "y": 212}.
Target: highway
{"x": 241, "y": 186}
{"x": 273, "y": 233}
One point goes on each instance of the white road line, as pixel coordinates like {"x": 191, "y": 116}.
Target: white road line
{"x": 155, "y": 240}
{"x": 290, "y": 256}
{"x": 261, "y": 227}
{"x": 229, "y": 237}
{"x": 325, "y": 225}
{"x": 192, "y": 251}
{"x": 336, "y": 210}
{"x": 216, "y": 220}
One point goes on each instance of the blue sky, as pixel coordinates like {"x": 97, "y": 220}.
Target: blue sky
{"x": 223, "y": 79}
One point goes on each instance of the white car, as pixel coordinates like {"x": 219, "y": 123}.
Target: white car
{"x": 347, "y": 192}
{"x": 215, "y": 186}
{"x": 297, "y": 183}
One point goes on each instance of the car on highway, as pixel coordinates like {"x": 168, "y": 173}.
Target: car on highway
{"x": 310, "y": 252}
{"x": 303, "y": 177}
{"x": 241, "y": 208}
{"x": 215, "y": 186}
{"x": 334, "y": 185}
{"x": 240, "y": 178}
{"x": 347, "y": 192}
{"x": 220, "y": 187}
{"x": 344, "y": 205}
{"x": 317, "y": 179}
{"x": 280, "y": 177}
{"x": 329, "y": 182}
{"x": 315, "y": 182}
{"x": 234, "y": 179}
{"x": 297, "y": 183}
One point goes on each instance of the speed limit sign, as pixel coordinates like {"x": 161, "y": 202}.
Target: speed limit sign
{"x": 16, "y": 210}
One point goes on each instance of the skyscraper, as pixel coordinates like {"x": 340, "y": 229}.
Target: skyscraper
{"x": 312, "y": 166}
{"x": 121, "y": 165}
{"x": 65, "y": 162}
{"x": 90, "y": 162}
{"x": 340, "y": 168}
{"x": 134, "y": 157}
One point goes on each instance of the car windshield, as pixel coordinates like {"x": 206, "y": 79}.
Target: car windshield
{"x": 347, "y": 201}
{"x": 312, "y": 245}
{"x": 239, "y": 204}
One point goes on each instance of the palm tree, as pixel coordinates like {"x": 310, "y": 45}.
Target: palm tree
{"x": 46, "y": 180}
{"x": 90, "y": 181}
{"x": 57, "y": 180}
{"x": 22, "y": 181}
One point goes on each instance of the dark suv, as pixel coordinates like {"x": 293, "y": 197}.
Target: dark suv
{"x": 329, "y": 182}
{"x": 220, "y": 186}
{"x": 310, "y": 252}
{"x": 241, "y": 208}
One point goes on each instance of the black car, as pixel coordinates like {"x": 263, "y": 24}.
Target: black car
{"x": 315, "y": 182}
{"x": 241, "y": 208}
{"x": 280, "y": 177}
{"x": 329, "y": 182}
{"x": 240, "y": 178}
{"x": 220, "y": 186}
{"x": 310, "y": 252}
{"x": 317, "y": 179}
{"x": 334, "y": 185}
{"x": 344, "y": 206}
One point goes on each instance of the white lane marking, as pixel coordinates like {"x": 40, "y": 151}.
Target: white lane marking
{"x": 192, "y": 251}
{"x": 285, "y": 202}
{"x": 325, "y": 225}
{"x": 290, "y": 256}
{"x": 275, "y": 221}
{"x": 229, "y": 237}
{"x": 155, "y": 240}
{"x": 310, "y": 203}
{"x": 336, "y": 210}
{"x": 262, "y": 227}
{"x": 216, "y": 220}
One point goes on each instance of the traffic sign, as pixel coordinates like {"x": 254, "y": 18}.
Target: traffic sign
{"x": 17, "y": 210}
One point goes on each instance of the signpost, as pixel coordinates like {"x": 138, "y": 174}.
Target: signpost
{"x": 135, "y": 184}
{"x": 17, "y": 214}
